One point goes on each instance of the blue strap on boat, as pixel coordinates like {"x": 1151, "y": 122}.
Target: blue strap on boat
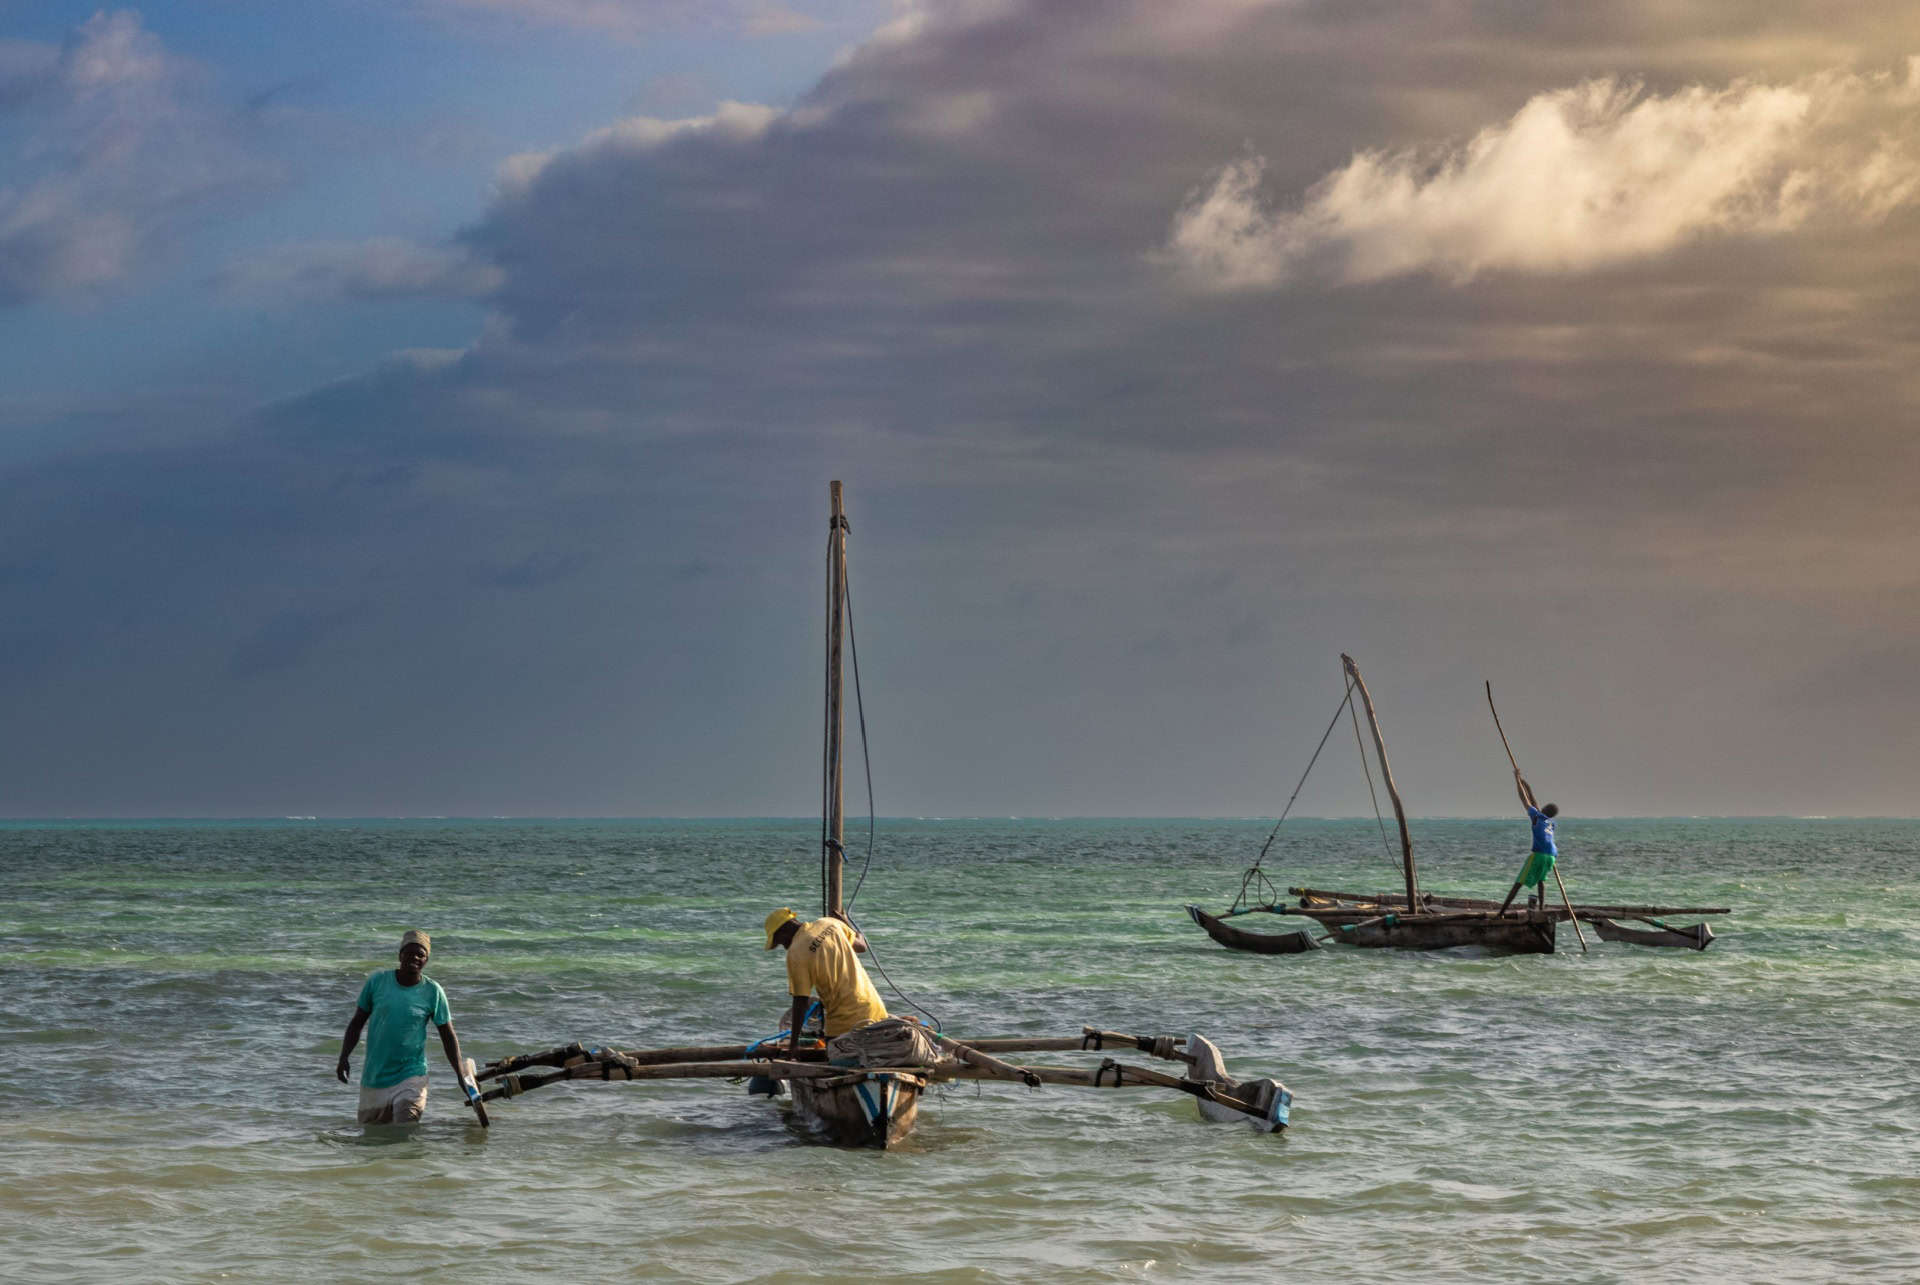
{"x": 775, "y": 1038}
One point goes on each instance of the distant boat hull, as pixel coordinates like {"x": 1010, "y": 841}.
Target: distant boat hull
{"x": 1232, "y": 938}
{"x": 1696, "y": 937}
{"x": 1529, "y": 934}
{"x": 860, "y": 1109}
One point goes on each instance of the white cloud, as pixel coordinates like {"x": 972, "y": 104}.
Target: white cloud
{"x": 116, "y": 144}
{"x": 1578, "y": 178}
{"x": 380, "y": 268}
{"x": 730, "y": 122}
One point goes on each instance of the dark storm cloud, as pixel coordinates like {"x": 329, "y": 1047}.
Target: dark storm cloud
{"x": 1110, "y": 531}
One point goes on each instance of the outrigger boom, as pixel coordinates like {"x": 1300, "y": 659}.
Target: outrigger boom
{"x": 1265, "y": 1103}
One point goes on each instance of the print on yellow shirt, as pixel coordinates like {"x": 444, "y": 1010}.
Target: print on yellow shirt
{"x": 820, "y": 961}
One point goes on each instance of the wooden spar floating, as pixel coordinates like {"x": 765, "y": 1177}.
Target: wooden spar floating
{"x": 1585, "y": 911}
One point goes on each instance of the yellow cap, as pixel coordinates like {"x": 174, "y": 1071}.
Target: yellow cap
{"x": 784, "y": 915}
{"x": 414, "y": 937}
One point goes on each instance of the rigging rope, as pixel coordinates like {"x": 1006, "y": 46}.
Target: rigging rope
{"x": 1253, "y": 872}
{"x": 866, "y": 759}
{"x": 1385, "y": 843}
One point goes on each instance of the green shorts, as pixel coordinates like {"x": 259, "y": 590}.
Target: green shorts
{"x": 1538, "y": 867}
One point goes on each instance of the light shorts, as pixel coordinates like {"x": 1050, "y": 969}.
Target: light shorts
{"x": 401, "y": 1103}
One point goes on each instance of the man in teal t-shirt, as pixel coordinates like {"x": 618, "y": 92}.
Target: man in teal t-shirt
{"x": 394, "y": 1008}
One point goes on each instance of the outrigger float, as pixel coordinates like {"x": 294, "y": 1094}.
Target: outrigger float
{"x": 1423, "y": 921}
{"x": 876, "y": 1103}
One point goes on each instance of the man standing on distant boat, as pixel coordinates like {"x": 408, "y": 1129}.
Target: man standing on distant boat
{"x": 821, "y": 960}
{"x": 394, "y": 1008}
{"x": 1545, "y": 851}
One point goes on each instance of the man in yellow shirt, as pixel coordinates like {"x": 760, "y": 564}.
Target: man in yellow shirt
{"x": 821, "y": 961}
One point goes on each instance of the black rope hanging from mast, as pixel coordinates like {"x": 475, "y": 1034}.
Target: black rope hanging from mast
{"x": 866, "y": 759}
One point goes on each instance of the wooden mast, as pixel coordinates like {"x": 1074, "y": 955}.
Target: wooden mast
{"x": 835, "y": 854}
{"x": 1386, "y": 774}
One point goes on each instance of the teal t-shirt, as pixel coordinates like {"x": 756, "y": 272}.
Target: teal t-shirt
{"x": 397, "y": 1027}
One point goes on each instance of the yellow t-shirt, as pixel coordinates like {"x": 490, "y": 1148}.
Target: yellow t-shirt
{"x": 820, "y": 961}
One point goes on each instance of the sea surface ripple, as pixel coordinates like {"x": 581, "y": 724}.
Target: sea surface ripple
{"x": 172, "y": 996}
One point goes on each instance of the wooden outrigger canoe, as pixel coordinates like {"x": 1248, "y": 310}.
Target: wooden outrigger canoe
{"x": 876, "y": 1106}
{"x": 1422, "y": 921}
{"x": 1414, "y": 924}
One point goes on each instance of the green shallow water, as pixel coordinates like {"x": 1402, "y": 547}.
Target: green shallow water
{"x": 172, "y": 996}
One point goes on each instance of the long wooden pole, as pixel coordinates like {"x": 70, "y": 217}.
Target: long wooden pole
{"x": 836, "y": 714}
{"x": 1109, "y": 1075}
{"x": 1587, "y": 911}
{"x": 1386, "y": 774}
{"x": 1565, "y": 900}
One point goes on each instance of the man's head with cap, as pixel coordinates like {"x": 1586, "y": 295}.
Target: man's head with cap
{"x": 415, "y": 946}
{"x": 776, "y": 922}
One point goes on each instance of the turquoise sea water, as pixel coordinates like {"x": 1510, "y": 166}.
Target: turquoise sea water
{"x": 172, "y": 997}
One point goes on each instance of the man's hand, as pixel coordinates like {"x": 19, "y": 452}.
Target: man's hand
{"x": 342, "y": 1070}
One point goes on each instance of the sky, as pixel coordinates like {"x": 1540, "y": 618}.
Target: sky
{"x": 426, "y": 407}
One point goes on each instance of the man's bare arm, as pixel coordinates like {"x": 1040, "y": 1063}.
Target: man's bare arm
{"x": 795, "y": 1021}
{"x": 347, "y": 1042}
{"x": 451, "y": 1043}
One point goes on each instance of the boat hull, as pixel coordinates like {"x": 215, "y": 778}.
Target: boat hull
{"x": 1514, "y": 935}
{"x": 1233, "y": 938}
{"x": 860, "y": 1109}
{"x": 1697, "y": 937}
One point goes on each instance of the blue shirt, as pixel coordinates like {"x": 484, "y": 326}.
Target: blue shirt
{"x": 1542, "y": 831}
{"x": 397, "y": 1018}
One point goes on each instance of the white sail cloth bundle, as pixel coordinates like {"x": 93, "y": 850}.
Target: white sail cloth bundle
{"x": 891, "y": 1041}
